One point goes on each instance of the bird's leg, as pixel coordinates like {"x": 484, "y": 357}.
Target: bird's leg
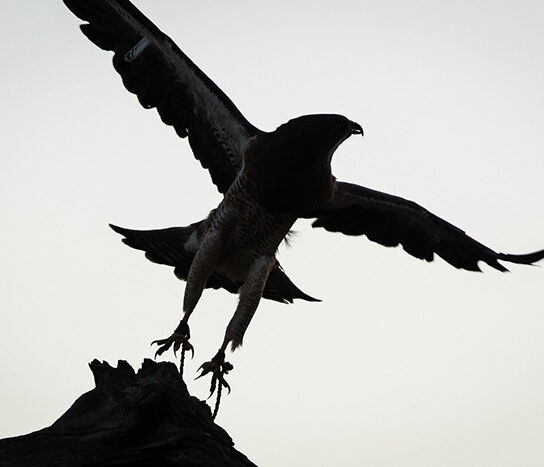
{"x": 250, "y": 295}
{"x": 218, "y": 367}
{"x": 201, "y": 268}
{"x": 179, "y": 338}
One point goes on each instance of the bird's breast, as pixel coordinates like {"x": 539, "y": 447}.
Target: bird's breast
{"x": 284, "y": 183}
{"x": 246, "y": 230}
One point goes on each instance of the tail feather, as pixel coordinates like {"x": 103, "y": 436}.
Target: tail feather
{"x": 280, "y": 288}
{"x": 167, "y": 246}
{"x": 162, "y": 246}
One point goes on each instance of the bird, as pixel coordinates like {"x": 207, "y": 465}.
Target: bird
{"x": 268, "y": 181}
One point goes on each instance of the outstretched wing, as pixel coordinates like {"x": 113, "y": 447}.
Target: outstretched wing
{"x": 390, "y": 220}
{"x": 162, "y": 76}
{"x": 168, "y": 246}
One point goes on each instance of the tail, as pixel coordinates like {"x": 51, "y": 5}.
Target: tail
{"x": 162, "y": 246}
{"x": 280, "y": 288}
{"x": 176, "y": 246}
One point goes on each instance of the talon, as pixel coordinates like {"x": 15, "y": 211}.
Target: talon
{"x": 219, "y": 368}
{"x": 177, "y": 340}
{"x": 177, "y": 345}
{"x": 164, "y": 345}
{"x": 225, "y": 385}
{"x": 188, "y": 346}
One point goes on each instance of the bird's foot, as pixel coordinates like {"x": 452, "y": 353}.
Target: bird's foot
{"x": 179, "y": 339}
{"x": 218, "y": 367}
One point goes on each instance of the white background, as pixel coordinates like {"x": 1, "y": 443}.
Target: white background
{"x": 404, "y": 363}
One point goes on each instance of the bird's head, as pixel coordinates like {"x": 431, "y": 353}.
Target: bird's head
{"x": 291, "y": 166}
{"x": 318, "y": 136}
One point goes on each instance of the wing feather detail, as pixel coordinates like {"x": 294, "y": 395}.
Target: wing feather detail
{"x": 154, "y": 68}
{"x": 391, "y": 220}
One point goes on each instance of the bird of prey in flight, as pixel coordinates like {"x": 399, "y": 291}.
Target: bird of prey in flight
{"x": 268, "y": 179}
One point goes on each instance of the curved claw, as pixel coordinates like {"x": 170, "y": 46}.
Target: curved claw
{"x": 177, "y": 345}
{"x": 188, "y": 346}
{"x": 219, "y": 368}
{"x": 164, "y": 345}
{"x": 225, "y": 385}
{"x": 177, "y": 340}
{"x": 206, "y": 368}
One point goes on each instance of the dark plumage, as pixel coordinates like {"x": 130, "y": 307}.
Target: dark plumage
{"x": 268, "y": 180}
{"x": 391, "y": 220}
{"x": 165, "y": 246}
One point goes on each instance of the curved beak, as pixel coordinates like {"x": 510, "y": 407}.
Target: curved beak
{"x": 356, "y": 129}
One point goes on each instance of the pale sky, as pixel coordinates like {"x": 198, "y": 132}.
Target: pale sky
{"x": 404, "y": 363}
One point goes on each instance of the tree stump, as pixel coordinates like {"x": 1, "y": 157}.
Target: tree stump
{"x": 134, "y": 419}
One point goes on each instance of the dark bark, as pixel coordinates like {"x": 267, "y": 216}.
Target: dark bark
{"x": 129, "y": 419}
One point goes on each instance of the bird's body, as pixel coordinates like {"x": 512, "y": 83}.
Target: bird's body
{"x": 239, "y": 239}
{"x": 269, "y": 180}
{"x": 248, "y": 230}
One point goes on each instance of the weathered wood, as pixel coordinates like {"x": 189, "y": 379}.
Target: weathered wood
{"x": 146, "y": 418}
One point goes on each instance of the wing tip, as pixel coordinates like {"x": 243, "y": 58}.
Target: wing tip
{"x": 311, "y": 299}
{"x": 302, "y": 296}
{"x": 117, "y": 229}
{"x": 529, "y": 258}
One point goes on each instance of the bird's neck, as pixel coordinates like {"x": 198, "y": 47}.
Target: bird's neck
{"x": 286, "y": 183}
